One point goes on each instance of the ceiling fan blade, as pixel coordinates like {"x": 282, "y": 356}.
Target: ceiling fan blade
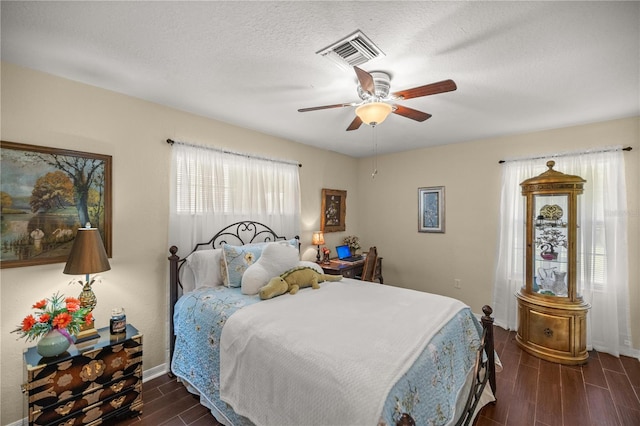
{"x": 429, "y": 89}
{"x": 411, "y": 113}
{"x": 325, "y": 107}
{"x": 366, "y": 80}
{"x": 355, "y": 124}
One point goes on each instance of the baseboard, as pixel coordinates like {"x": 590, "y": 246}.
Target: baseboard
{"x": 154, "y": 372}
{"x": 147, "y": 375}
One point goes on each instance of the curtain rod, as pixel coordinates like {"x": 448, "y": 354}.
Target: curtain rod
{"x": 567, "y": 154}
{"x": 171, "y": 142}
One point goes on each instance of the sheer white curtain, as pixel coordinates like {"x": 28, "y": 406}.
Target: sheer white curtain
{"x": 211, "y": 189}
{"x": 603, "y": 277}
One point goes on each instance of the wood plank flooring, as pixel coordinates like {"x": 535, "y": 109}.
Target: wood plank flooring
{"x": 531, "y": 391}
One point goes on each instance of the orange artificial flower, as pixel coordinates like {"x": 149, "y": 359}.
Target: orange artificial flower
{"x": 41, "y": 304}
{"x": 88, "y": 318}
{"x": 58, "y": 312}
{"x": 72, "y": 306}
{"x": 28, "y": 322}
{"x": 62, "y": 320}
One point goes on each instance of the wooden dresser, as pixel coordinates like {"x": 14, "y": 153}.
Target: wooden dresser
{"x": 89, "y": 383}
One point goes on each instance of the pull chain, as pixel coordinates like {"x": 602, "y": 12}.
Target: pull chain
{"x": 374, "y": 161}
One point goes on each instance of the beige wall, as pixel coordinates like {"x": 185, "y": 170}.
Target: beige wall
{"x": 44, "y": 110}
{"x": 471, "y": 176}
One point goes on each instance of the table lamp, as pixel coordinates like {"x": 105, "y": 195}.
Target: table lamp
{"x": 87, "y": 256}
{"x": 316, "y": 240}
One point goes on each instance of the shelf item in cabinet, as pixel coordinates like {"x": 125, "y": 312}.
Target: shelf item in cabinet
{"x": 551, "y": 282}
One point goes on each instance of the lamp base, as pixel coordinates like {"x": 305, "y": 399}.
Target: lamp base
{"x": 87, "y": 332}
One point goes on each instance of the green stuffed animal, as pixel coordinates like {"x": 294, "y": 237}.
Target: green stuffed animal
{"x": 293, "y": 280}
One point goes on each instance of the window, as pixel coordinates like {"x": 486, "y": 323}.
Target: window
{"x": 212, "y": 189}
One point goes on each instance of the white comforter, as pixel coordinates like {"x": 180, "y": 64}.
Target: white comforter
{"x": 327, "y": 356}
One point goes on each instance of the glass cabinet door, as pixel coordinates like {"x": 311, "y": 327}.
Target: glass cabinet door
{"x": 551, "y": 243}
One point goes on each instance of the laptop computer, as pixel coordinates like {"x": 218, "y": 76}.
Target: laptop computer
{"x": 344, "y": 254}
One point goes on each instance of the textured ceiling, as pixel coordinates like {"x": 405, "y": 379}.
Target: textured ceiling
{"x": 519, "y": 66}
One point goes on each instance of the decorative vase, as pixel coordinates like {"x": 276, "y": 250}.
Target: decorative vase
{"x": 548, "y": 253}
{"x": 53, "y": 343}
{"x": 559, "y": 286}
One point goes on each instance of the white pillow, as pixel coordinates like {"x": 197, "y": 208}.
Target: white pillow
{"x": 205, "y": 265}
{"x": 313, "y": 265}
{"x": 275, "y": 259}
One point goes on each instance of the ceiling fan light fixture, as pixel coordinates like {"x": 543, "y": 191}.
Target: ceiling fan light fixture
{"x": 373, "y": 113}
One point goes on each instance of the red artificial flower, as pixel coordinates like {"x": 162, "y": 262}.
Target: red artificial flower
{"x": 41, "y": 304}
{"x": 72, "y": 306}
{"x": 88, "y": 318}
{"x": 28, "y": 322}
{"x": 44, "y": 318}
{"x": 72, "y": 300}
{"x": 62, "y": 320}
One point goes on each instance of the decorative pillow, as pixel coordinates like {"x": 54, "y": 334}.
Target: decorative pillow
{"x": 274, "y": 260}
{"x": 205, "y": 267}
{"x": 236, "y": 260}
{"x": 309, "y": 264}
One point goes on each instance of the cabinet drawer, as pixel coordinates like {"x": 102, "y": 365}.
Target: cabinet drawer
{"x": 550, "y": 331}
{"x": 351, "y": 273}
{"x": 130, "y": 400}
{"x": 72, "y": 407}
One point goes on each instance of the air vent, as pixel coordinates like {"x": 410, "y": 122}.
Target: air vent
{"x": 355, "y": 49}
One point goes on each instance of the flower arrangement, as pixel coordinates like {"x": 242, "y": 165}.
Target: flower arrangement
{"x": 353, "y": 242}
{"x": 58, "y": 312}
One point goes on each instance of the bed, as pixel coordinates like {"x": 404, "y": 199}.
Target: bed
{"x": 307, "y": 358}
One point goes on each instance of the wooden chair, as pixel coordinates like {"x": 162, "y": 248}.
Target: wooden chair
{"x": 370, "y": 264}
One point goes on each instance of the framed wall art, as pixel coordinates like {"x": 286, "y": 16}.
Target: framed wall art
{"x": 334, "y": 209}
{"x": 46, "y": 195}
{"x": 431, "y": 209}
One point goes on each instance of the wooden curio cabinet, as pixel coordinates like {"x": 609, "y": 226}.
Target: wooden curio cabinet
{"x": 551, "y": 313}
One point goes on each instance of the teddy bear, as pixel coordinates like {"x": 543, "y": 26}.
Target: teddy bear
{"x": 293, "y": 280}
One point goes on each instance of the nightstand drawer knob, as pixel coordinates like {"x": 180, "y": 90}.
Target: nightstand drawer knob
{"x": 548, "y": 332}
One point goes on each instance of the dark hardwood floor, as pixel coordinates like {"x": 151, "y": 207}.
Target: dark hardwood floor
{"x": 531, "y": 391}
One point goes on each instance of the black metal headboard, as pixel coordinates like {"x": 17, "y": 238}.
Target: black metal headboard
{"x": 239, "y": 233}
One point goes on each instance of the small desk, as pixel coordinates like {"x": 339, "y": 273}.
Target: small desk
{"x": 351, "y": 269}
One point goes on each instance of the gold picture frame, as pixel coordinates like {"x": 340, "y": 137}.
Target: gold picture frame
{"x": 334, "y": 210}
{"x": 47, "y": 194}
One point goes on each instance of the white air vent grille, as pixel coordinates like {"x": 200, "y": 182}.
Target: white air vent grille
{"x": 355, "y": 49}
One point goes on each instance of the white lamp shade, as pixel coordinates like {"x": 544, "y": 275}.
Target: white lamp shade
{"x": 318, "y": 238}
{"x": 373, "y": 113}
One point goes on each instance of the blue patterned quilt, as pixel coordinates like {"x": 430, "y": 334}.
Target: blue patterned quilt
{"x": 428, "y": 391}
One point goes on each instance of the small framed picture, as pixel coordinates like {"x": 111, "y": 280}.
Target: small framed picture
{"x": 431, "y": 209}
{"x": 334, "y": 207}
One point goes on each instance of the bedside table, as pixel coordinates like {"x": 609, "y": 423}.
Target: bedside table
{"x": 350, "y": 269}
{"x": 87, "y": 384}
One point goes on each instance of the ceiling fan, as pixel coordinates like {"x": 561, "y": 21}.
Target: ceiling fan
{"x": 377, "y": 103}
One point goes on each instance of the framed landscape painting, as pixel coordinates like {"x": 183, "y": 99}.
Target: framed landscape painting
{"x": 431, "y": 209}
{"x": 334, "y": 209}
{"x": 46, "y": 195}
